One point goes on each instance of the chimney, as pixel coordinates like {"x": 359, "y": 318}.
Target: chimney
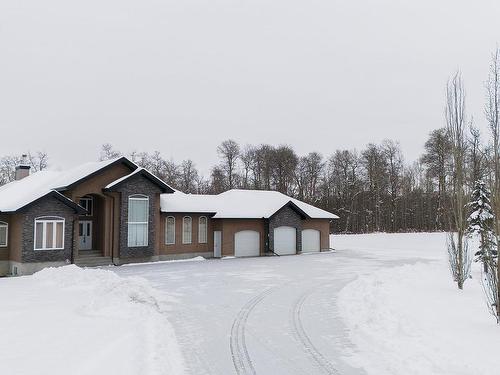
{"x": 23, "y": 169}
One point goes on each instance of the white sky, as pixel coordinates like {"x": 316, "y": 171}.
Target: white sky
{"x": 181, "y": 76}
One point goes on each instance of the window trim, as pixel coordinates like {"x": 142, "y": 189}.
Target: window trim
{"x": 45, "y": 220}
{"x": 206, "y": 229}
{"x": 91, "y": 199}
{"x": 4, "y": 224}
{"x": 184, "y": 241}
{"x": 166, "y": 231}
{"x": 138, "y": 197}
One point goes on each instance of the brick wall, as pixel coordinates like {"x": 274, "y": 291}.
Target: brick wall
{"x": 142, "y": 186}
{"x": 47, "y": 207}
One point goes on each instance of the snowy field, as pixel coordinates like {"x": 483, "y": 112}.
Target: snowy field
{"x": 382, "y": 304}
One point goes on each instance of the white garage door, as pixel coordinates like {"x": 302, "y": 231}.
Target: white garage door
{"x": 310, "y": 241}
{"x": 247, "y": 243}
{"x": 285, "y": 240}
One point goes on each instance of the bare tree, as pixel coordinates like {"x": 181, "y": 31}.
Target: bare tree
{"x": 436, "y": 158}
{"x": 492, "y": 111}
{"x": 394, "y": 158}
{"x": 247, "y": 159}
{"x": 108, "y": 152}
{"x": 229, "y": 152}
{"x": 37, "y": 161}
{"x": 456, "y": 123}
{"x": 189, "y": 177}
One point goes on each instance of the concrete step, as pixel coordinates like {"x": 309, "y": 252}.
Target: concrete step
{"x": 89, "y": 261}
{"x": 89, "y": 253}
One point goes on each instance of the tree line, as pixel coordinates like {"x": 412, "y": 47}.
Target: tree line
{"x": 373, "y": 189}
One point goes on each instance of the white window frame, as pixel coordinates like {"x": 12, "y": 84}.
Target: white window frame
{"x": 46, "y": 220}
{"x": 205, "y": 240}
{"x": 184, "y": 239}
{"x": 138, "y": 197}
{"x": 91, "y": 199}
{"x": 5, "y": 225}
{"x": 167, "y": 242}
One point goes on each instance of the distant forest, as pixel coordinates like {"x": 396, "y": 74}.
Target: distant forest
{"x": 373, "y": 189}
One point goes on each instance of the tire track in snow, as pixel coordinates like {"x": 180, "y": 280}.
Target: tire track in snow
{"x": 303, "y": 338}
{"x": 239, "y": 352}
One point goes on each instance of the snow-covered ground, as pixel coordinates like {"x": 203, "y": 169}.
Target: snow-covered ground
{"x": 382, "y": 304}
{"x": 412, "y": 319}
{"x": 74, "y": 321}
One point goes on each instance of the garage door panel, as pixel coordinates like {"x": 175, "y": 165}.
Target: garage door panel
{"x": 311, "y": 242}
{"x": 285, "y": 240}
{"x": 247, "y": 243}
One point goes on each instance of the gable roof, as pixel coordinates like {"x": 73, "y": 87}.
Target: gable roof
{"x": 17, "y": 194}
{"x": 144, "y": 173}
{"x": 239, "y": 204}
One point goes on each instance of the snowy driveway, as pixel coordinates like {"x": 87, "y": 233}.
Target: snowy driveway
{"x": 269, "y": 315}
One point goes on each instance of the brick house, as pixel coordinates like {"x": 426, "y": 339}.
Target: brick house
{"x": 114, "y": 212}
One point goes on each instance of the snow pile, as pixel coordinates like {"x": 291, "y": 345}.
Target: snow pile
{"x": 412, "y": 320}
{"x": 70, "y": 320}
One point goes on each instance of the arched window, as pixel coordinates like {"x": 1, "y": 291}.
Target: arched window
{"x": 170, "y": 230}
{"x": 49, "y": 233}
{"x": 4, "y": 233}
{"x": 138, "y": 220}
{"x": 202, "y": 229}
{"x": 187, "y": 229}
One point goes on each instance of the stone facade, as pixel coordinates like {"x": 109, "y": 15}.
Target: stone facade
{"x": 140, "y": 186}
{"x": 48, "y": 207}
{"x": 286, "y": 217}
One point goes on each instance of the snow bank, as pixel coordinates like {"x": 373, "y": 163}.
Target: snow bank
{"x": 70, "y": 320}
{"x": 412, "y": 320}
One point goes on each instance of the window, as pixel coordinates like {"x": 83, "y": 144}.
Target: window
{"x": 170, "y": 230}
{"x": 3, "y": 233}
{"x": 49, "y": 233}
{"x": 202, "y": 229}
{"x": 187, "y": 225}
{"x": 88, "y": 204}
{"x": 138, "y": 215}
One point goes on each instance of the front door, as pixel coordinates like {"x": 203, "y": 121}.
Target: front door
{"x": 217, "y": 244}
{"x": 85, "y": 235}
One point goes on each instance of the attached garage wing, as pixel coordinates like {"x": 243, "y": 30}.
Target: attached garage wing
{"x": 285, "y": 240}
{"x": 247, "y": 243}
{"x": 311, "y": 241}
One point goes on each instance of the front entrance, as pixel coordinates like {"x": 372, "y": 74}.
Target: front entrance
{"x": 85, "y": 235}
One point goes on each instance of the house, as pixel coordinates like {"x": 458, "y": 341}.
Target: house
{"x": 114, "y": 212}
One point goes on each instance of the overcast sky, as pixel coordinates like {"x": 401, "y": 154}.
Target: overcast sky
{"x": 180, "y": 76}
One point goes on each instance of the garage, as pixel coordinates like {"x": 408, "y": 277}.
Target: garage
{"x": 285, "y": 240}
{"x": 311, "y": 241}
{"x": 247, "y": 243}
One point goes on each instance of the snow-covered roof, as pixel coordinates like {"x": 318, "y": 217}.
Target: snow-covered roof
{"x": 18, "y": 194}
{"x": 235, "y": 204}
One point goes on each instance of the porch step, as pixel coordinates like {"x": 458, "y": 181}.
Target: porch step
{"x": 93, "y": 261}
{"x": 89, "y": 253}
